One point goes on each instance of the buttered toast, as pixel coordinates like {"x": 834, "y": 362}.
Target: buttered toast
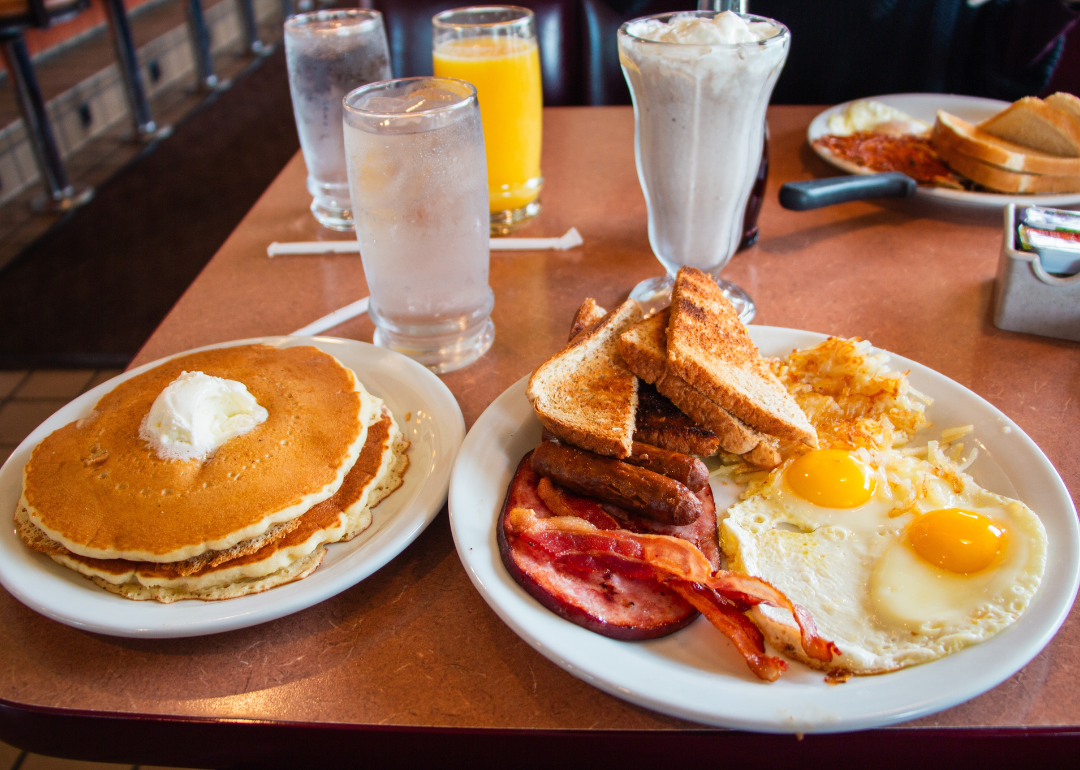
{"x": 644, "y": 349}
{"x": 585, "y": 394}
{"x": 710, "y": 349}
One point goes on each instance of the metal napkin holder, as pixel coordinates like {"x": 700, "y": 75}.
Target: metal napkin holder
{"x": 1029, "y": 299}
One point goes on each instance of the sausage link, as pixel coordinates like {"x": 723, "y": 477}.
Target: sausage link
{"x": 685, "y": 469}
{"x": 628, "y": 486}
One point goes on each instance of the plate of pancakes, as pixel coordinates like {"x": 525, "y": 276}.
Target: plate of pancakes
{"x": 696, "y": 673}
{"x": 349, "y": 464}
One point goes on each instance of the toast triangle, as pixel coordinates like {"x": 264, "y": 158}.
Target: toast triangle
{"x": 586, "y": 317}
{"x": 644, "y": 349}
{"x": 955, "y": 135}
{"x": 585, "y": 394}
{"x": 1002, "y": 180}
{"x": 1067, "y": 103}
{"x": 709, "y": 348}
{"x": 1031, "y": 122}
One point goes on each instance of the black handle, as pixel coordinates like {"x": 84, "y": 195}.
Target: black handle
{"x": 802, "y": 196}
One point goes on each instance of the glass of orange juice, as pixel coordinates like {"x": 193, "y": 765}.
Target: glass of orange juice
{"x": 495, "y": 49}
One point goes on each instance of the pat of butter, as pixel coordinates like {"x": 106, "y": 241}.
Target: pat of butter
{"x": 196, "y": 413}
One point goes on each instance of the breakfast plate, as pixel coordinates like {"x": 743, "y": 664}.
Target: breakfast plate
{"x": 426, "y": 412}
{"x": 696, "y": 673}
{"x": 924, "y": 107}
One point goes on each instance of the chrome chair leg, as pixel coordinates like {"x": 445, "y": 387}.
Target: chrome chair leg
{"x": 145, "y": 129}
{"x": 60, "y": 194}
{"x": 200, "y": 46}
{"x": 249, "y": 26}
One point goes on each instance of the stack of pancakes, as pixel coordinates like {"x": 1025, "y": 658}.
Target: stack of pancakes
{"x": 255, "y": 514}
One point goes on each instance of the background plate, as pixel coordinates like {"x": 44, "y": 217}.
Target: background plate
{"x": 436, "y": 430}
{"x": 696, "y": 673}
{"x": 925, "y": 107}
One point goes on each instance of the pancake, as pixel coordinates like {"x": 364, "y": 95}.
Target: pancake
{"x": 100, "y": 491}
{"x": 295, "y": 571}
{"x": 265, "y": 562}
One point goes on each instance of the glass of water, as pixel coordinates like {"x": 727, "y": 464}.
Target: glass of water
{"x": 418, "y": 179}
{"x": 329, "y": 53}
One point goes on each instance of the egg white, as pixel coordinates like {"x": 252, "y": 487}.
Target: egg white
{"x": 883, "y": 605}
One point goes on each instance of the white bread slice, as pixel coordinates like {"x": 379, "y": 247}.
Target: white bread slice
{"x": 1067, "y": 103}
{"x": 1030, "y": 122}
{"x": 709, "y": 348}
{"x": 644, "y": 349}
{"x": 960, "y": 136}
{"x": 584, "y": 394}
{"x": 1003, "y": 180}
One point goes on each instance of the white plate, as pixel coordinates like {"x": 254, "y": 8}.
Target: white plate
{"x": 696, "y": 673}
{"x": 436, "y": 430}
{"x": 925, "y": 107}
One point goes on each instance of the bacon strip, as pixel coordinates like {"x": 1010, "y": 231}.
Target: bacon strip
{"x": 720, "y": 611}
{"x": 564, "y": 537}
{"x": 723, "y": 614}
{"x": 563, "y": 504}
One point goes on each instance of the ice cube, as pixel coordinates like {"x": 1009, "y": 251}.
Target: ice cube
{"x": 428, "y": 99}
{"x": 380, "y": 104}
{"x": 418, "y": 100}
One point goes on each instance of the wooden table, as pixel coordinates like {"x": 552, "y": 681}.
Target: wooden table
{"x": 412, "y": 663}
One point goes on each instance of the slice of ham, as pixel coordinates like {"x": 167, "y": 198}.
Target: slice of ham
{"x": 575, "y": 540}
{"x": 614, "y": 573}
{"x": 614, "y": 604}
{"x": 702, "y": 532}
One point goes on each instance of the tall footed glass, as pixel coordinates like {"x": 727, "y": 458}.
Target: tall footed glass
{"x": 418, "y": 178}
{"x": 700, "y": 83}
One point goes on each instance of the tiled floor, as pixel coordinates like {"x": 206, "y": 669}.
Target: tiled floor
{"x": 13, "y": 759}
{"x": 27, "y": 398}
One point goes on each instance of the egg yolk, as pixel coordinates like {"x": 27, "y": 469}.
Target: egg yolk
{"x": 831, "y": 478}
{"x": 956, "y": 540}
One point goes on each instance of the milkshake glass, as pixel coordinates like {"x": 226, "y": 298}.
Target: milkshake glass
{"x": 700, "y": 83}
{"x": 329, "y": 53}
{"x": 418, "y": 178}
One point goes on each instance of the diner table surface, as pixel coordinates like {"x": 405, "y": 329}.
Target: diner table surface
{"x": 414, "y": 650}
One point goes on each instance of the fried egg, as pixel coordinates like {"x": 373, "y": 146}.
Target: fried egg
{"x": 898, "y": 560}
{"x": 869, "y": 115}
{"x": 899, "y": 556}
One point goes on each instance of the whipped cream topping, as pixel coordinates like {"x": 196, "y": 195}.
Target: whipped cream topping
{"x": 196, "y": 413}
{"x": 727, "y": 28}
{"x": 700, "y": 112}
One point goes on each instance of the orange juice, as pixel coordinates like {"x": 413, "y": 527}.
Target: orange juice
{"x": 506, "y": 73}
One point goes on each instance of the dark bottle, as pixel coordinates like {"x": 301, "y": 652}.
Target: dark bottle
{"x": 757, "y": 197}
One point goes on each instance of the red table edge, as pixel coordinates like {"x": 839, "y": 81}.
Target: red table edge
{"x": 241, "y": 743}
